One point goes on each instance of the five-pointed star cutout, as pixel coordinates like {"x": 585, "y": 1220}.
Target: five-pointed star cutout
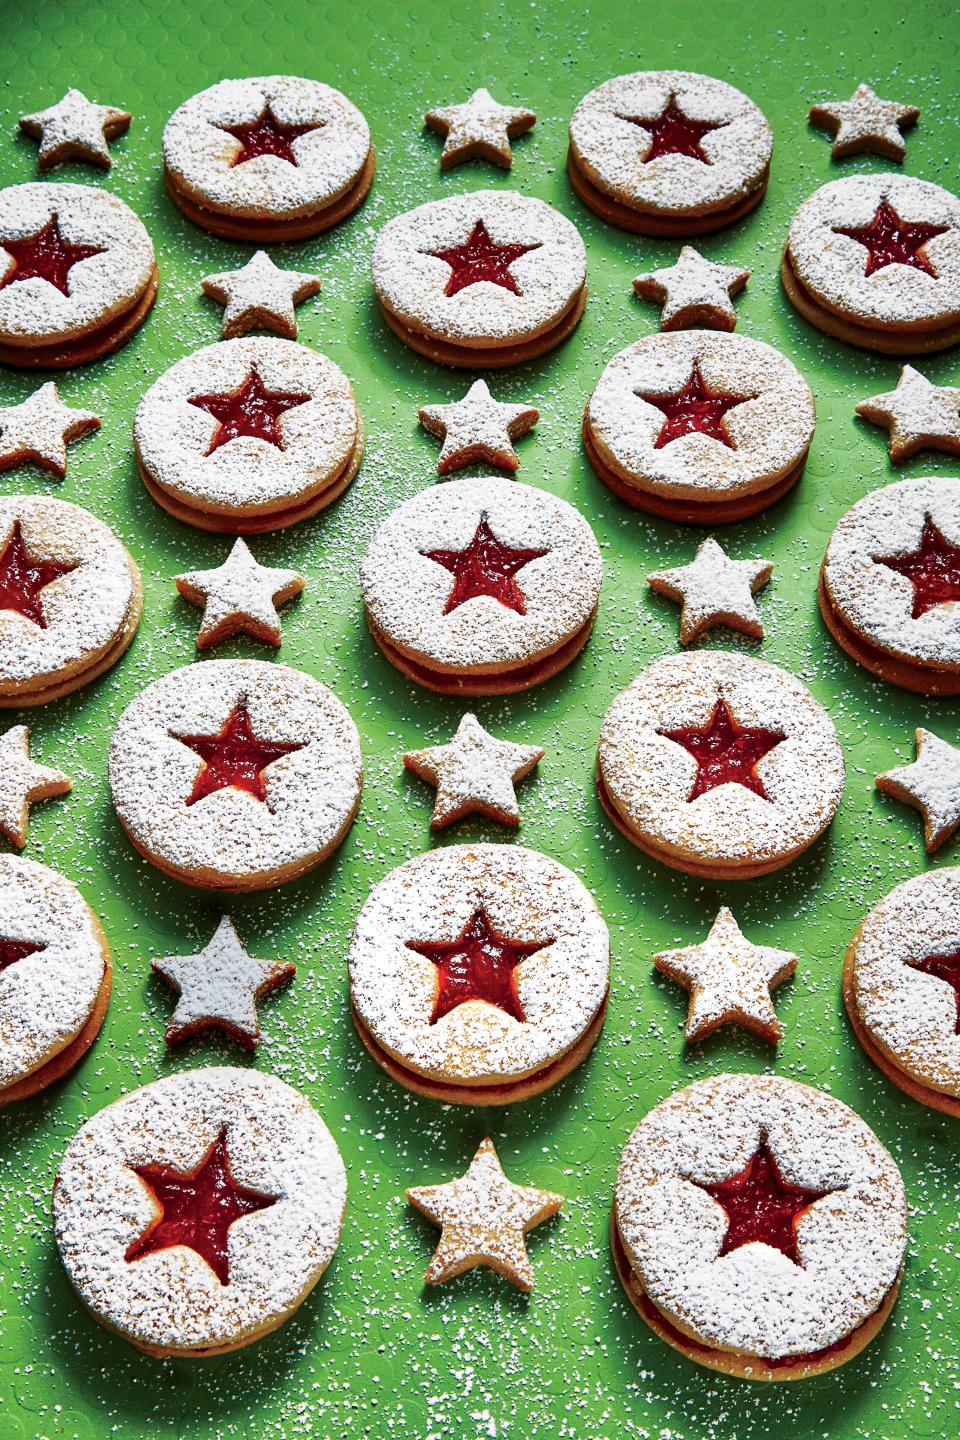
{"x": 478, "y": 129}
{"x": 485, "y": 567}
{"x": 694, "y": 291}
{"x": 918, "y": 414}
{"x": 260, "y": 296}
{"x": 477, "y": 428}
{"x": 267, "y": 136}
{"x": 13, "y": 950}
{"x": 251, "y": 410}
{"x": 40, "y": 428}
{"x": 761, "y": 1207}
{"x": 234, "y": 758}
{"x": 888, "y": 240}
{"x": 865, "y": 122}
{"x": 22, "y": 783}
{"x": 45, "y": 255}
{"x": 478, "y": 965}
{"x": 219, "y": 987}
{"x": 714, "y": 590}
{"x": 674, "y": 133}
{"x": 726, "y": 752}
{"x": 933, "y": 569}
{"x": 480, "y": 258}
{"x": 485, "y": 1218}
{"x": 729, "y": 980}
{"x": 75, "y": 129}
{"x": 474, "y": 774}
{"x": 694, "y": 410}
{"x": 24, "y": 578}
{"x": 239, "y": 596}
{"x": 931, "y": 785}
{"x": 946, "y": 968}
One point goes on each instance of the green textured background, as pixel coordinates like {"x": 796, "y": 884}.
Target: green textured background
{"x": 373, "y": 1354}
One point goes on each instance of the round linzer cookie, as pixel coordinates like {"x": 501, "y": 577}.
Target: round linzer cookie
{"x": 759, "y": 1227}
{"x": 875, "y": 261}
{"x": 196, "y": 1214}
{"x": 248, "y": 435}
{"x": 669, "y": 152}
{"x": 270, "y": 158}
{"x": 890, "y": 584}
{"x": 479, "y": 973}
{"x": 77, "y": 274}
{"x": 481, "y": 280}
{"x": 236, "y": 774}
{"x": 719, "y": 765}
{"x": 482, "y": 587}
{"x": 699, "y": 427}
{"x": 70, "y": 599}
{"x": 54, "y": 977}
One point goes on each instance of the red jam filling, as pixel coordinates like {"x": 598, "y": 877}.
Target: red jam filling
{"x": 726, "y": 753}
{"x": 674, "y": 133}
{"x": 933, "y": 570}
{"x": 694, "y": 410}
{"x": 13, "y": 950}
{"x": 233, "y": 759}
{"x": 266, "y": 136}
{"x": 944, "y": 967}
{"x": 761, "y": 1206}
{"x": 485, "y": 567}
{"x": 250, "y": 410}
{"x": 22, "y": 578}
{"x": 46, "y": 256}
{"x": 888, "y": 240}
{"x": 480, "y": 258}
{"x": 197, "y": 1209}
{"x": 478, "y": 965}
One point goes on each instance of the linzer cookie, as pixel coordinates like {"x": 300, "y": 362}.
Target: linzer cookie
{"x": 196, "y": 1214}
{"x": 719, "y": 765}
{"x": 235, "y": 774}
{"x": 70, "y": 599}
{"x": 482, "y": 587}
{"x": 890, "y": 584}
{"x": 77, "y": 274}
{"x": 481, "y": 280}
{"x": 54, "y": 977}
{"x": 479, "y": 973}
{"x": 875, "y": 260}
{"x": 699, "y": 427}
{"x": 759, "y": 1227}
{"x": 270, "y": 158}
{"x": 248, "y": 435}
{"x": 669, "y": 152}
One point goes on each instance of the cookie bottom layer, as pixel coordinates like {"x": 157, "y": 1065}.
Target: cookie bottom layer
{"x": 886, "y": 341}
{"x": 491, "y": 357}
{"x": 923, "y": 680}
{"x": 64, "y": 1061}
{"x": 88, "y": 346}
{"x": 657, "y": 223}
{"x": 40, "y": 694}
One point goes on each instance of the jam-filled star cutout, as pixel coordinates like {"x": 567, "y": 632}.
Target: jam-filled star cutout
{"x": 46, "y": 256}
{"x": 673, "y": 133}
{"x": 726, "y": 752}
{"x": 944, "y": 967}
{"x": 267, "y": 136}
{"x": 694, "y": 410}
{"x": 23, "y": 578}
{"x": 933, "y": 569}
{"x": 235, "y": 758}
{"x": 761, "y": 1206}
{"x": 479, "y": 965}
{"x": 251, "y": 410}
{"x": 13, "y": 950}
{"x": 485, "y": 567}
{"x": 888, "y": 240}
{"x": 197, "y": 1208}
{"x": 481, "y": 258}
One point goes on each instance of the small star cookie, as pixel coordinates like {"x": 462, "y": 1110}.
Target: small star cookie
{"x": 75, "y": 129}
{"x": 694, "y": 291}
{"x": 714, "y": 590}
{"x": 239, "y": 596}
{"x": 478, "y": 428}
{"x": 40, "y": 428}
{"x": 480, "y": 129}
{"x": 23, "y": 783}
{"x": 729, "y": 980}
{"x": 865, "y": 122}
{"x": 918, "y": 414}
{"x": 485, "y": 1218}
{"x": 260, "y": 296}
{"x": 474, "y": 774}
{"x": 931, "y": 785}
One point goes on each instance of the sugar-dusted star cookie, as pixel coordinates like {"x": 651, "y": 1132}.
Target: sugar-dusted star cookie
{"x": 931, "y": 785}
{"x": 260, "y": 296}
{"x": 729, "y": 980}
{"x": 865, "y": 122}
{"x": 239, "y": 596}
{"x": 474, "y": 774}
{"x": 23, "y": 783}
{"x": 714, "y": 590}
{"x": 694, "y": 291}
{"x": 40, "y": 429}
{"x": 478, "y": 428}
{"x": 75, "y": 129}
{"x": 219, "y": 987}
{"x": 485, "y": 1218}
{"x": 479, "y": 129}
{"x": 918, "y": 414}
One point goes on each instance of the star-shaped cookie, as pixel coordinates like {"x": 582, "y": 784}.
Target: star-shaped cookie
{"x": 714, "y": 590}
{"x": 40, "y": 428}
{"x": 694, "y": 291}
{"x": 865, "y": 122}
{"x": 478, "y": 428}
{"x": 239, "y": 596}
{"x": 22, "y": 783}
{"x": 219, "y": 987}
{"x": 479, "y": 129}
{"x": 931, "y": 785}
{"x": 485, "y": 1218}
{"x": 260, "y": 296}
{"x": 918, "y": 414}
{"x": 729, "y": 980}
{"x": 75, "y": 129}
{"x": 474, "y": 774}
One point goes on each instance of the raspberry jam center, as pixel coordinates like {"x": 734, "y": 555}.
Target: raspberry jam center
{"x": 235, "y": 758}
{"x": 888, "y": 240}
{"x": 13, "y": 950}
{"x": 694, "y": 410}
{"x": 266, "y": 136}
{"x": 761, "y": 1206}
{"x": 485, "y": 567}
{"x": 479, "y": 965}
{"x": 944, "y": 967}
{"x": 480, "y": 258}
{"x": 726, "y": 753}
{"x": 23, "y": 578}
{"x": 933, "y": 569}
{"x": 46, "y": 256}
{"x": 673, "y": 133}
{"x": 251, "y": 409}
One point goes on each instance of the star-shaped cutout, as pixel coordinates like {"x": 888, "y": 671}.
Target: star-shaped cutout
{"x": 694, "y": 410}
{"x": 75, "y": 129}
{"x": 865, "y": 122}
{"x": 729, "y": 980}
{"x": 888, "y": 240}
{"x": 478, "y": 965}
{"x": 726, "y": 752}
{"x": 260, "y": 296}
{"x": 479, "y": 129}
{"x": 714, "y": 590}
{"x": 477, "y": 428}
{"x": 23, "y": 783}
{"x": 484, "y": 1219}
{"x": 674, "y": 133}
{"x": 251, "y": 410}
{"x": 239, "y": 597}
{"x": 481, "y": 258}
{"x": 45, "y": 255}
{"x": 267, "y": 136}
{"x": 13, "y": 950}
{"x": 23, "y": 578}
{"x": 946, "y": 968}
{"x": 474, "y": 774}
{"x": 196, "y": 1208}
{"x": 219, "y": 988}
{"x": 40, "y": 429}
{"x": 931, "y": 785}
{"x": 234, "y": 758}
{"x": 933, "y": 569}
{"x": 761, "y": 1207}
{"x": 694, "y": 291}
{"x": 485, "y": 567}
{"x": 918, "y": 414}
